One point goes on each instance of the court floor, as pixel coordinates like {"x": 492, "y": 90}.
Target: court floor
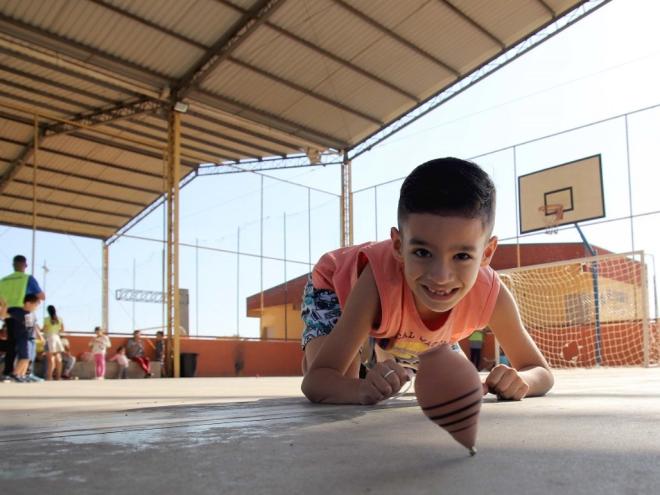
{"x": 597, "y": 432}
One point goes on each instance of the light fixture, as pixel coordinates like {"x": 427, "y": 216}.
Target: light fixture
{"x": 180, "y": 107}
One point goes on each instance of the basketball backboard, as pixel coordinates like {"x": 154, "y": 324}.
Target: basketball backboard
{"x": 576, "y": 186}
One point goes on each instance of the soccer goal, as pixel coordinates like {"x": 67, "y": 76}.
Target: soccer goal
{"x": 589, "y": 311}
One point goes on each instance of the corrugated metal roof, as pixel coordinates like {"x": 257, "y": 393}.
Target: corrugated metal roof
{"x": 262, "y": 78}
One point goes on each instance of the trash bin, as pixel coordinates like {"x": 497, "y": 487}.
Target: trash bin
{"x": 188, "y": 362}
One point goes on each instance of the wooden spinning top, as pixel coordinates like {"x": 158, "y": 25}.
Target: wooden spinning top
{"x": 449, "y": 391}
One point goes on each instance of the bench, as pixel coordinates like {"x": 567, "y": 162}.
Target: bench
{"x": 85, "y": 370}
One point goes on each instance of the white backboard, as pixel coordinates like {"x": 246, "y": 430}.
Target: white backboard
{"x": 577, "y": 186}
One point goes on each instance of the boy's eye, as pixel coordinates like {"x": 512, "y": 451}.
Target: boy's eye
{"x": 421, "y": 253}
{"x": 463, "y": 256}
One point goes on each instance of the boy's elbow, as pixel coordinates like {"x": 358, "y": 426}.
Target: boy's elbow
{"x": 309, "y": 390}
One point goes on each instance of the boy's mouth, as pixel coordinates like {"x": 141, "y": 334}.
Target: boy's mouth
{"x": 440, "y": 294}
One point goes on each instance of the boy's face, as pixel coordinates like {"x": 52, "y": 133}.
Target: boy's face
{"x": 441, "y": 258}
{"x": 31, "y": 306}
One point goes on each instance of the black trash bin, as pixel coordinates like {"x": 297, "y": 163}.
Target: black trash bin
{"x": 188, "y": 362}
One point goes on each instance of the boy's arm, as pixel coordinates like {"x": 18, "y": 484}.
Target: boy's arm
{"x": 531, "y": 375}
{"x": 325, "y": 380}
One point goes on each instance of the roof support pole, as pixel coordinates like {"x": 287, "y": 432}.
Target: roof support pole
{"x": 34, "y": 192}
{"x": 105, "y": 289}
{"x": 346, "y": 212}
{"x": 173, "y": 178}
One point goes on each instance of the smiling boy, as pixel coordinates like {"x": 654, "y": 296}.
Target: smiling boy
{"x": 384, "y": 303}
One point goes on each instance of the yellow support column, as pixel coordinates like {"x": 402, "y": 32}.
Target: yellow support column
{"x": 105, "y": 296}
{"x": 173, "y": 176}
{"x": 346, "y": 212}
{"x": 35, "y": 152}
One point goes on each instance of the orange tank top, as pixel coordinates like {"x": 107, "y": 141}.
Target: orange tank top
{"x": 400, "y": 322}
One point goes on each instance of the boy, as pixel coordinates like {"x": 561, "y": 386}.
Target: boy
{"x": 430, "y": 283}
{"x": 21, "y": 326}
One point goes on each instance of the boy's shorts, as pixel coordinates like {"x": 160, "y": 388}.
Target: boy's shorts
{"x": 22, "y": 346}
{"x": 320, "y": 312}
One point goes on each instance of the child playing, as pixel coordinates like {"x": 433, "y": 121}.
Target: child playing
{"x": 99, "y": 344}
{"x": 20, "y": 326}
{"x": 384, "y": 303}
{"x": 122, "y": 361}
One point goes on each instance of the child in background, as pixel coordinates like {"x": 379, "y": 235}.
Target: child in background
{"x": 384, "y": 303}
{"x": 52, "y": 327}
{"x": 68, "y": 360}
{"x": 122, "y": 361}
{"x": 17, "y": 326}
{"x": 99, "y": 344}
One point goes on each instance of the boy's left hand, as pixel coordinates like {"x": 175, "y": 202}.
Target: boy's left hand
{"x": 506, "y": 383}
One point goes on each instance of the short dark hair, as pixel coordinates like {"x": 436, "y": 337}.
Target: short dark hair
{"x": 30, "y": 298}
{"x": 160, "y": 332}
{"x": 19, "y": 258}
{"x": 449, "y": 187}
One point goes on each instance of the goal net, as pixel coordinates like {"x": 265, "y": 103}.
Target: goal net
{"x": 588, "y": 312}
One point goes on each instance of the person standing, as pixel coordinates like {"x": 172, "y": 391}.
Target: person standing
{"x": 13, "y": 289}
{"x": 52, "y": 328}
{"x": 99, "y": 344}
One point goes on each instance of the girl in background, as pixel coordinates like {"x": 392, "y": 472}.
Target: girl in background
{"x": 52, "y": 328}
{"x": 99, "y": 344}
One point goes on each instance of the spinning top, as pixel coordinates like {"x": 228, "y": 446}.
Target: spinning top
{"x": 449, "y": 391}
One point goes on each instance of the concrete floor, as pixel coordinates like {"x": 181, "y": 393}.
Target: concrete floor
{"x": 598, "y": 432}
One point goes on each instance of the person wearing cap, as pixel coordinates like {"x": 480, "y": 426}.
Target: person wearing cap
{"x": 13, "y": 289}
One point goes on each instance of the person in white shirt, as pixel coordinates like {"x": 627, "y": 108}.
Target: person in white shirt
{"x": 99, "y": 344}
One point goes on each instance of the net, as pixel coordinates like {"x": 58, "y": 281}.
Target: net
{"x": 588, "y": 312}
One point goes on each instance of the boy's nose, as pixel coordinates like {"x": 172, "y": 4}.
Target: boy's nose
{"x": 441, "y": 273}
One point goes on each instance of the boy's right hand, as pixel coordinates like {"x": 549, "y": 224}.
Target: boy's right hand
{"x": 382, "y": 381}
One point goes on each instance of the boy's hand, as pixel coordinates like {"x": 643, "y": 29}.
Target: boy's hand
{"x": 506, "y": 383}
{"x": 382, "y": 381}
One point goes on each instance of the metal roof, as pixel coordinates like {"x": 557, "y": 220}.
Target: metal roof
{"x": 263, "y": 78}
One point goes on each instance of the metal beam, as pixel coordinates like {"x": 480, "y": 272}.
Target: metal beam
{"x": 187, "y": 146}
{"x": 173, "y": 178}
{"x": 270, "y": 119}
{"x": 473, "y": 23}
{"x": 111, "y": 165}
{"x": 56, "y": 84}
{"x": 52, "y": 217}
{"x": 81, "y": 193}
{"x": 330, "y": 55}
{"x": 150, "y": 24}
{"x": 17, "y": 163}
{"x": 120, "y": 111}
{"x": 105, "y": 299}
{"x": 250, "y": 20}
{"x": 81, "y": 233}
{"x": 68, "y": 205}
{"x": 398, "y": 38}
{"x": 306, "y": 91}
{"x": 122, "y": 185}
{"x": 48, "y": 61}
{"x": 74, "y": 48}
{"x": 97, "y": 180}
{"x": 234, "y": 127}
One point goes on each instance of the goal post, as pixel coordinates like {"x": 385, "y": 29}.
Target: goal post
{"x": 575, "y": 326}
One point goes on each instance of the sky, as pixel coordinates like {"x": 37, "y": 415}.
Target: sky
{"x": 606, "y": 65}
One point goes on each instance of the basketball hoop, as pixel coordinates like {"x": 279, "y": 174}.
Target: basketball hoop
{"x": 552, "y": 214}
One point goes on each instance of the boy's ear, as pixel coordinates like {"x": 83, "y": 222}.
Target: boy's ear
{"x": 489, "y": 251}
{"x": 395, "y": 235}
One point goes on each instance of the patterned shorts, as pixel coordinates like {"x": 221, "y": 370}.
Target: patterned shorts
{"x": 320, "y": 311}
